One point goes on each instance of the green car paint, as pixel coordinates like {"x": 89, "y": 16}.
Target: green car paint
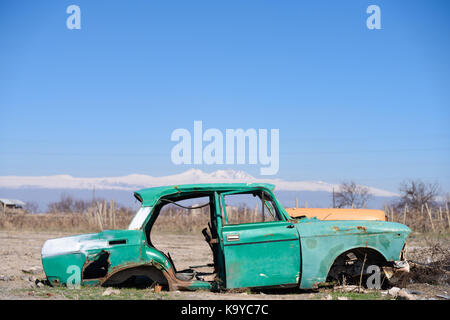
{"x": 288, "y": 252}
{"x": 266, "y": 254}
{"x": 323, "y": 241}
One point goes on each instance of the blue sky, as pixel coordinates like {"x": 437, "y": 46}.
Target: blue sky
{"x": 350, "y": 103}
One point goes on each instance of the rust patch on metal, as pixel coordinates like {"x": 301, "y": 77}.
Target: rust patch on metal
{"x": 364, "y": 229}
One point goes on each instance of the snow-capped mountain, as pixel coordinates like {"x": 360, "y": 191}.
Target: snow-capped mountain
{"x": 133, "y": 182}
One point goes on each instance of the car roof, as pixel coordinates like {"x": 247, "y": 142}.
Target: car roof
{"x": 149, "y": 196}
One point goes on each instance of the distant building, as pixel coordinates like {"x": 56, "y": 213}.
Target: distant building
{"x": 12, "y": 206}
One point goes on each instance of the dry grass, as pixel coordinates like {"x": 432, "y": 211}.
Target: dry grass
{"x": 105, "y": 215}
{"x": 93, "y": 221}
{"x": 102, "y": 217}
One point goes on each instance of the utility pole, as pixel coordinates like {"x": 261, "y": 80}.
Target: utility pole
{"x": 334, "y": 201}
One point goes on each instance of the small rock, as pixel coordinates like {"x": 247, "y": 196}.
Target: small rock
{"x": 405, "y": 295}
{"x": 3, "y": 278}
{"x": 32, "y": 270}
{"x": 39, "y": 285}
{"x": 394, "y": 291}
{"x": 416, "y": 292}
{"x": 32, "y": 279}
{"x": 110, "y": 291}
{"x": 342, "y": 298}
{"x": 25, "y": 278}
{"x": 329, "y": 297}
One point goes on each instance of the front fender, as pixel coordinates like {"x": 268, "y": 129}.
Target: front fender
{"x": 323, "y": 241}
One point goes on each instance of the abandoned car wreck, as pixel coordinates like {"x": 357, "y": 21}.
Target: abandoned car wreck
{"x": 266, "y": 249}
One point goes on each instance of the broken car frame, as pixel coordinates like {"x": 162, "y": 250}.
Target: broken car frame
{"x": 278, "y": 252}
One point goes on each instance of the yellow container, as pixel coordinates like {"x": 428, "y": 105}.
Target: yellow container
{"x": 337, "y": 214}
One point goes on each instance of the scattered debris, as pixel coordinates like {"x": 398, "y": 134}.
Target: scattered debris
{"x": 406, "y": 295}
{"x": 342, "y": 298}
{"x": 350, "y": 288}
{"x": 110, "y": 291}
{"x": 397, "y": 273}
{"x": 416, "y": 292}
{"x": 443, "y": 296}
{"x": 7, "y": 278}
{"x": 396, "y": 292}
{"x": 157, "y": 288}
{"x": 328, "y": 297}
{"x": 32, "y": 270}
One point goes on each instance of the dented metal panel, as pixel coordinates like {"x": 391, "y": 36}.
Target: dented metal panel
{"x": 323, "y": 241}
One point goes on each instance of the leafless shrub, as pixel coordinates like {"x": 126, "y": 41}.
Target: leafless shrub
{"x": 352, "y": 195}
{"x": 430, "y": 263}
{"x": 31, "y": 207}
{"x": 67, "y": 204}
{"x": 416, "y": 193}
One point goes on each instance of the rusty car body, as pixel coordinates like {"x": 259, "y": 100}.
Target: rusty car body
{"x": 274, "y": 251}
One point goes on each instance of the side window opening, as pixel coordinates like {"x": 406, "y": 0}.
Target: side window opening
{"x": 250, "y": 207}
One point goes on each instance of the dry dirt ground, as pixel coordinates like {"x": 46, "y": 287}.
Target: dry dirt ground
{"x": 20, "y": 250}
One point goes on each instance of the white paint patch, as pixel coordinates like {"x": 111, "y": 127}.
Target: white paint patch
{"x": 73, "y": 244}
{"x": 139, "y": 218}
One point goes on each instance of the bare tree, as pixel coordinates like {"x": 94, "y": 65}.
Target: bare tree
{"x": 416, "y": 193}
{"x": 447, "y": 199}
{"x": 352, "y": 195}
{"x": 31, "y": 207}
{"x": 67, "y": 204}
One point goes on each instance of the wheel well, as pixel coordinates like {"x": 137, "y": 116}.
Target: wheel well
{"x": 353, "y": 261}
{"x": 141, "y": 275}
